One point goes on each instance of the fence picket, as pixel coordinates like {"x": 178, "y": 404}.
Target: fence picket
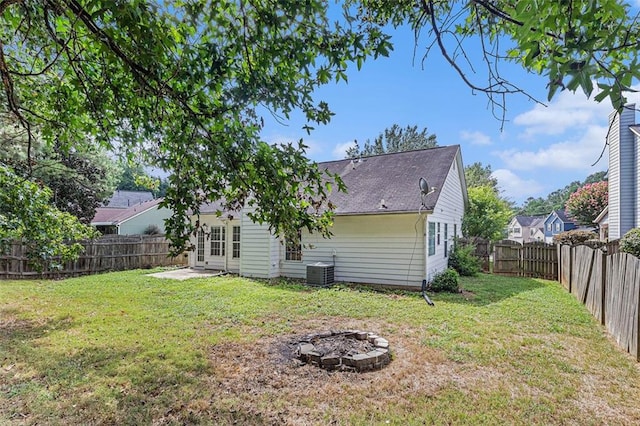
{"x": 110, "y": 253}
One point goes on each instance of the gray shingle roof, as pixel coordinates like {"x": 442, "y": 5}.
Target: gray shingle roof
{"x": 391, "y": 177}
{"x": 123, "y": 199}
{"x": 531, "y": 221}
{"x": 563, "y": 216}
{"x": 114, "y": 216}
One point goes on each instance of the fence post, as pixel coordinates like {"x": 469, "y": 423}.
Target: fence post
{"x": 603, "y": 291}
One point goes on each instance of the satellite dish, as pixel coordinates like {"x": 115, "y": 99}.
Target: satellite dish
{"x": 424, "y": 186}
{"x": 425, "y": 189}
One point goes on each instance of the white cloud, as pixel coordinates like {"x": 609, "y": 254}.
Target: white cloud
{"x": 514, "y": 187}
{"x": 475, "y": 138}
{"x": 577, "y": 153}
{"x": 567, "y": 111}
{"x": 340, "y": 150}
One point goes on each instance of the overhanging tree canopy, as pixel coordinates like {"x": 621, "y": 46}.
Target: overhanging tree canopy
{"x": 572, "y": 43}
{"x": 180, "y": 83}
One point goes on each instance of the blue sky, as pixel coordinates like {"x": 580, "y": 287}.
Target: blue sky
{"x": 540, "y": 149}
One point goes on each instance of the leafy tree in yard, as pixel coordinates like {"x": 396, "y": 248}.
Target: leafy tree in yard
{"x": 27, "y": 215}
{"x": 178, "y": 84}
{"x": 487, "y": 215}
{"x": 79, "y": 179}
{"x": 394, "y": 139}
{"x": 477, "y": 174}
{"x": 135, "y": 178}
{"x": 557, "y": 199}
{"x": 587, "y": 202}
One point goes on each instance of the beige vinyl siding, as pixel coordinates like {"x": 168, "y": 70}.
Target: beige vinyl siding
{"x": 137, "y": 224}
{"x": 274, "y": 266}
{"x": 448, "y": 210}
{"x": 375, "y": 249}
{"x": 255, "y": 249}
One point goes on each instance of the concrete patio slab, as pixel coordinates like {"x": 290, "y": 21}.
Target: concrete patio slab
{"x": 187, "y": 273}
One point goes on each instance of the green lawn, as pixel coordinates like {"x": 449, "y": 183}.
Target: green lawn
{"x": 125, "y": 348}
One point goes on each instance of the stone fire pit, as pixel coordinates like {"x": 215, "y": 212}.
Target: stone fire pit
{"x": 344, "y": 350}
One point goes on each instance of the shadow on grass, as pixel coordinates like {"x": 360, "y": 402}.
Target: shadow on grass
{"x": 485, "y": 289}
{"x": 14, "y": 329}
{"x": 93, "y": 385}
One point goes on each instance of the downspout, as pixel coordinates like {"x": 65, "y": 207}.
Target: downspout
{"x": 426, "y": 258}
{"x": 226, "y": 252}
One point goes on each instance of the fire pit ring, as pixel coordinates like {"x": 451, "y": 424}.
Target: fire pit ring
{"x": 350, "y": 350}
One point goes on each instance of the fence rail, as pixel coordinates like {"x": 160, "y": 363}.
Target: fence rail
{"x": 110, "y": 253}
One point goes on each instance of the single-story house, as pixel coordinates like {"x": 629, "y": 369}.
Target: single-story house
{"x": 623, "y": 139}
{"x": 525, "y": 229}
{"x": 388, "y": 228}
{"x": 555, "y": 223}
{"x": 132, "y": 220}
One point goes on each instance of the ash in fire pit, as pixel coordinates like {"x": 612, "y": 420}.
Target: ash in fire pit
{"x": 344, "y": 350}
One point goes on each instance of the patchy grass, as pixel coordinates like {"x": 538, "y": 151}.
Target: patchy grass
{"x": 125, "y": 348}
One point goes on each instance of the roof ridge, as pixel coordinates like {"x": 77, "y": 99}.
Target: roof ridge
{"x": 394, "y": 153}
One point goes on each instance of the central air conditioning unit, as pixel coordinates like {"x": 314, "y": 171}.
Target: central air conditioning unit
{"x": 320, "y": 274}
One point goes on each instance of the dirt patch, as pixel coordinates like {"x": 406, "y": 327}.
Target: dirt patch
{"x": 468, "y": 295}
{"x": 266, "y": 381}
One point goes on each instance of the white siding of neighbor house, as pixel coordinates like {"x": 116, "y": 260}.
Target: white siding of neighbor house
{"x": 449, "y": 210}
{"x": 623, "y": 174}
{"x": 256, "y": 246}
{"x": 137, "y": 224}
{"x": 374, "y": 249}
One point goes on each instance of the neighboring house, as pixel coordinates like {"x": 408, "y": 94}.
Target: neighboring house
{"x": 131, "y": 220}
{"x": 624, "y": 173}
{"x": 526, "y": 229}
{"x": 537, "y": 234}
{"x": 384, "y": 231}
{"x": 555, "y": 223}
{"x": 602, "y": 221}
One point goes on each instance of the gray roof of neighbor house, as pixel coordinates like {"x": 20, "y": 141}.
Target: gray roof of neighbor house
{"x": 393, "y": 178}
{"x": 115, "y": 216}
{"x": 530, "y": 221}
{"x": 562, "y": 215}
{"x": 123, "y": 199}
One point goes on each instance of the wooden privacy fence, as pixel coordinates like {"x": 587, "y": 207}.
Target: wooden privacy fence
{"x": 609, "y": 286}
{"x": 109, "y": 253}
{"x": 537, "y": 259}
{"x": 482, "y": 250}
